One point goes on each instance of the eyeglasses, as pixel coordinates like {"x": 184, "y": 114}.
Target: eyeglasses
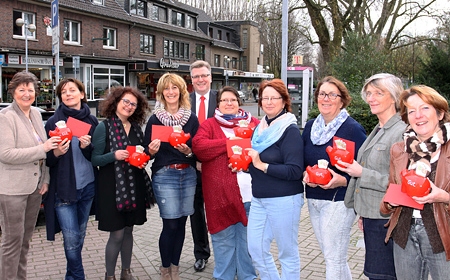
{"x": 375, "y": 94}
{"x": 203, "y": 76}
{"x": 267, "y": 99}
{"x": 331, "y": 96}
{"x": 127, "y": 102}
{"x": 228, "y": 101}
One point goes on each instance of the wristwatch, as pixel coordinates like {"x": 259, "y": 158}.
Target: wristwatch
{"x": 190, "y": 154}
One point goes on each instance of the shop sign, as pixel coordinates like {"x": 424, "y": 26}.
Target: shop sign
{"x": 170, "y": 64}
{"x": 36, "y": 60}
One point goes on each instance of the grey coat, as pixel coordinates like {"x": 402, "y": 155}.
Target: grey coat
{"x": 366, "y": 192}
{"x": 20, "y": 152}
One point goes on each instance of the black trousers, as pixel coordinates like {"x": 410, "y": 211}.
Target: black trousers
{"x": 198, "y": 224}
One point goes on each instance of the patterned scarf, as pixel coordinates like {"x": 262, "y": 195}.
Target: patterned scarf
{"x": 321, "y": 133}
{"x": 422, "y": 151}
{"x": 265, "y": 135}
{"x": 123, "y": 171}
{"x": 167, "y": 119}
{"x": 230, "y": 121}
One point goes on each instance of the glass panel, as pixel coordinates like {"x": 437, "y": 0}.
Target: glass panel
{"x": 101, "y": 70}
{"x": 66, "y": 30}
{"x": 118, "y": 71}
{"x": 75, "y": 32}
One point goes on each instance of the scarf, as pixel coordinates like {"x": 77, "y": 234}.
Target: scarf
{"x": 124, "y": 174}
{"x": 230, "y": 121}
{"x": 321, "y": 133}
{"x": 180, "y": 118}
{"x": 62, "y": 113}
{"x": 264, "y": 135}
{"x": 422, "y": 151}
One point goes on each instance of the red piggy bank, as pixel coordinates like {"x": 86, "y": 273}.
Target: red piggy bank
{"x": 177, "y": 138}
{"x": 243, "y": 132}
{"x": 240, "y": 161}
{"x": 336, "y": 154}
{"x": 413, "y": 184}
{"x": 138, "y": 159}
{"x": 318, "y": 175}
{"x": 62, "y": 131}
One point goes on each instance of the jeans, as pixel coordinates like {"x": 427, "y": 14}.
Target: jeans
{"x": 332, "y": 222}
{"x": 73, "y": 218}
{"x": 174, "y": 191}
{"x": 275, "y": 218}
{"x": 231, "y": 245}
{"x": 417, "y": 260}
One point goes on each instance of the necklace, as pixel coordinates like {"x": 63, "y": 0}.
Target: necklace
{"x": 125, "y": 125}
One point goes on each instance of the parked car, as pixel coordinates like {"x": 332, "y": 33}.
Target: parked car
{"x": 45, "y": 114}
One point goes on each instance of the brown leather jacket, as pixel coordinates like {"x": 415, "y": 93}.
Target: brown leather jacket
{"x": 399, "y": 161}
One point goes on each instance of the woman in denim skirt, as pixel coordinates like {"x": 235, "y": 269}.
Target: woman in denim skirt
{"x": 173, "y": 170}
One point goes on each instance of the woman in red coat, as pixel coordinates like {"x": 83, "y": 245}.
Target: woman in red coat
{"x": 227, "y": 194}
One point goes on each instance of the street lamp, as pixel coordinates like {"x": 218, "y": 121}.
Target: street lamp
{"x": 28, "y": 27}
{"x": 227, "y": 64}
{"x": 267, "y": 68}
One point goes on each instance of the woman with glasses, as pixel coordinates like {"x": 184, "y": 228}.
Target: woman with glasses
{"x": 371, "y": 171}
{"x": 173, "y": 171}
{"x": 277, "y": 188}
{"x": 227, "y": 193}
{"x": 72, "y": 178}
{"x": 122, "y": 188}
{"x": 330, "y": 219}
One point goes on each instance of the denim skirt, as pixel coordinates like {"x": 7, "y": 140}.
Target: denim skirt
{"x": 174, "y": 191}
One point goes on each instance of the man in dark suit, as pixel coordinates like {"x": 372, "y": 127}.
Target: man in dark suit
{"x": 201, "y": 81}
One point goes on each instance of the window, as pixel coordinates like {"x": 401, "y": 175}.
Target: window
{"x": 228, "y": 37}
{"x": 244, "y": 63}
{"x": 106, "y": 76}
{"x": 71, "y": 32}
{"x": 98, "y": 2}
{"x": 138, "y": 7}
{"x": 244, "y": 38}
{"x": 200, "y": 52}
{"x": 147, "y": 44}
{"x": 159, "y": 13}
{"x": 20, "y": 31}
{"x": 217, "y": 60}
{"x": 234, "y": 62}
{"x": 177, "y": 18}
{"x": 109, "y": 33}
{"x": 176, "y": 49}
{"x": 191, "y": 23}
{"x": 219, "y": 34}
{"x": 211, "y": 33}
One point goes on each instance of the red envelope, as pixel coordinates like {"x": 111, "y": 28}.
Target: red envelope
{"x": 395, "y": 195}
{"x": 243, "y": 143}
{"x": 78, "y": 127}
{"x": 350, "y": 145}
{"x": 161, "y": 132}
{"x": 131, "y": 150}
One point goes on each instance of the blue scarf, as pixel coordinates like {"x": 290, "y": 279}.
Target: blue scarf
{"x": 321, "y": 133}
{"x": 265, "y": 136}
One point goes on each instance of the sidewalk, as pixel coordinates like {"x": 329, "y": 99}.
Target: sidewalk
{"x": 47, "y": 261}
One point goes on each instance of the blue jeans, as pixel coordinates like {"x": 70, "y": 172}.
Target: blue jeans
{"x": 230, "y": 245}
{"x": 73, "y": 218}
{"x": 417, "y": 260}
{"x": 275, "y": 218}
{"x": 332, "y": 222}
{"x": 174, "y": 191}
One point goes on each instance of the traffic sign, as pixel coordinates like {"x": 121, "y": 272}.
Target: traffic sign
{"x": 75, "y": 61}
{"x": 55, "y": 13}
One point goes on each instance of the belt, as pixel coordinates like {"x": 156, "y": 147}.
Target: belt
{"x": 179, "y": 166}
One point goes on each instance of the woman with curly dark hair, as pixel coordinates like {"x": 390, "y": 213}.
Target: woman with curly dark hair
{"x": 121, "y": 199}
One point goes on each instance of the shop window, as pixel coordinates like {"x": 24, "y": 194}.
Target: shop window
{"x": 109, "y": 33}
{"x": 19, "y": 31}
{"x": 71, "y": 32}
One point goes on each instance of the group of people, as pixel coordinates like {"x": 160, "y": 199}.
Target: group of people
{"x": 246, "y": 210}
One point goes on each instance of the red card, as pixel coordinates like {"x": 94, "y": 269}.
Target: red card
{"x": 78, "y": 127}
{"x": 161, "y": 132}
{"x": 243, "y": 143}
{"x": 350, "y": 145}
{"x": 395, "y": 195}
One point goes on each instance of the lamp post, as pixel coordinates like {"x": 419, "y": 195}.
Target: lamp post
{"x": 227, "y": 64}
{"x": 28, "y": 27}
{"x": 267, "y": 68}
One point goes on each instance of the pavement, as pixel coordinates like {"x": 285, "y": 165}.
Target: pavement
{"x": 46, "y": 259}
